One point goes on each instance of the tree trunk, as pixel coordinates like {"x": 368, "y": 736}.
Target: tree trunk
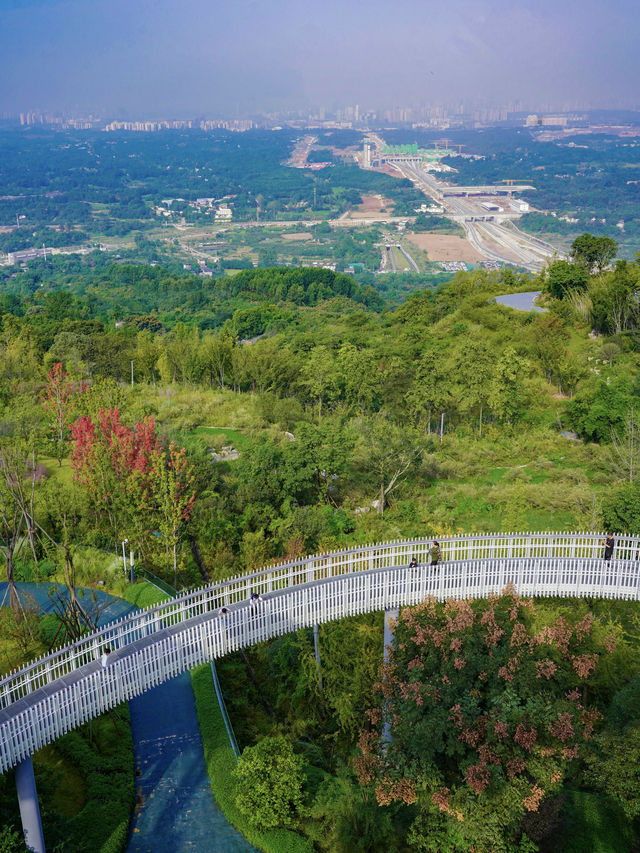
{"x": 195, "y": 551}
{"x": 381, "y": 502}
{"x": 13, "y": 592}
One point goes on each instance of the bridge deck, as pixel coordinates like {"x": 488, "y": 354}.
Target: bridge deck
{"x": 67, "y": 688}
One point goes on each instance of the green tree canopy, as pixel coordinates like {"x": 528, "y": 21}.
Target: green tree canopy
{"x": 270, "y": 779}
{"x": 562, "y": 277}
{"x": 593, "y": 253}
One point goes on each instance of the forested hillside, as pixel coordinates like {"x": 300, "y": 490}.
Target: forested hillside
{"x": 218, "y": 425}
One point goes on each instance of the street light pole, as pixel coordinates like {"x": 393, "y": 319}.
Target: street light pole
{"x": 124, "y": 556}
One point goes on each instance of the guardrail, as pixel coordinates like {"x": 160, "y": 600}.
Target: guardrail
{"x": 66, "y": 659}
{"x": 154, "y": 580}
{"x": 157, "y": 644}
{"x": 171, "y": 591}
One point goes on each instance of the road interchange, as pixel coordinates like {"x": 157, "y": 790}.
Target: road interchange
{"x": 492, "y": 234}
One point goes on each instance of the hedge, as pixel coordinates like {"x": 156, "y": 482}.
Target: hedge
{"x": 221, "y": 761}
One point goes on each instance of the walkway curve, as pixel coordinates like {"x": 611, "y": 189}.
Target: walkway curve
{"x": 176, "y": 810}
{"x": 62, "y": 690}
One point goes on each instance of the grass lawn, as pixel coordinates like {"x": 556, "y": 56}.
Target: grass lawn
{"x": 594, "y": 824}
{"x": 62, "y": 474}
{"x": 220, "y": 436}
{"x": 144, "y": 594}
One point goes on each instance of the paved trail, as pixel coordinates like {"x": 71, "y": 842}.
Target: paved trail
{"x": 176, "y": 811}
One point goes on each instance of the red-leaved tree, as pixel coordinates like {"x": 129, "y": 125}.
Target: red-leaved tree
{"x": 487, "y": 713}
{"x": 113, "y": 462}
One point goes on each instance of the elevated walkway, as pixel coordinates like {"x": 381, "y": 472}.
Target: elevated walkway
{"x": 176, "y": 811}
{"x": 60, "y": 691}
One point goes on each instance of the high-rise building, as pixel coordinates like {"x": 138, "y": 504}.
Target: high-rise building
{"x": 366, "y": 160}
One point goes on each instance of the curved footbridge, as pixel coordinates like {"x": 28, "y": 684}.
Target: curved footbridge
{"x": 62, "y": 690}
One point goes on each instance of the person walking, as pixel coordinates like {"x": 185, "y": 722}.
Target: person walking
{"x": 609, "y": 544}
{"x": 436, "y": 556}
{"x": 414, "y": 563}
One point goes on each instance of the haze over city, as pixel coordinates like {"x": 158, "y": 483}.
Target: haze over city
{"x": 195, "y": 57}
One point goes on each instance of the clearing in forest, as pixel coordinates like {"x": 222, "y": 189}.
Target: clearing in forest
{"x": 296, "y": 236}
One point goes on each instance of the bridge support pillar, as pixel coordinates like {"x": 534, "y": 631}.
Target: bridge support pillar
{"x": 29, "y": 808}
{"x": 316, "y": 649}
{"x": 390, "y": 617}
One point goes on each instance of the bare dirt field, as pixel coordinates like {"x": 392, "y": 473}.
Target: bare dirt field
{"x": 445, "y": 247}
{"x": 294, "y": 238}
{"x": 373, "y": 207}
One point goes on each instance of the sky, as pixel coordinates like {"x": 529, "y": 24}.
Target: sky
{"x": 187, "y": 58}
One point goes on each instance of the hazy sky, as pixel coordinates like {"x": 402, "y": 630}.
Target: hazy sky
{"x": 190, "y": 57}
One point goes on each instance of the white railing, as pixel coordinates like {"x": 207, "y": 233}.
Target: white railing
{"x": 66, "y": 688}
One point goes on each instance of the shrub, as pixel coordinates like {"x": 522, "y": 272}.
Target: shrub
{"x": 269, "y": 783}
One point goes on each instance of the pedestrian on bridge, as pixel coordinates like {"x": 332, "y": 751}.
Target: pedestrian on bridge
{"x": 436, "y": 555}
{"x": 414, "y": 563}
{"x": 609, "y": 544}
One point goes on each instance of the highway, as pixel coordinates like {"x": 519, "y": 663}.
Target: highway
{"x": 412, "y": 264}
{"x": 493, "y": 235}
{"x": 391, "y": 261}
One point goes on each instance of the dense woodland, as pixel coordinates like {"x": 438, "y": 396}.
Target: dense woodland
{"x": 514, "y": 725}
{"x": 63, "y": 188}
{"x": 69, "y": 187}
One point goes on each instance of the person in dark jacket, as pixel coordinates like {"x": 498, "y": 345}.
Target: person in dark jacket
{"x": 609, "y": 544}
{"x": 414, "y": 563}
{"x": 436, "y": 556}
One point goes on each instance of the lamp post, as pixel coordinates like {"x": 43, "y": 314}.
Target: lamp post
{"x": 124, "y": 556}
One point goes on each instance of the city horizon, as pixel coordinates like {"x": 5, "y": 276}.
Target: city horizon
{"x": 153, "y": 61}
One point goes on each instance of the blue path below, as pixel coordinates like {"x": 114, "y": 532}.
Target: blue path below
{"x": 38, "y": 593}
{"x": 175, "y": 807}
{"x": 177, "y": 810}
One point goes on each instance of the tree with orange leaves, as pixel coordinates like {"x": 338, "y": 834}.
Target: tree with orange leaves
{"x": 487, "y": 715}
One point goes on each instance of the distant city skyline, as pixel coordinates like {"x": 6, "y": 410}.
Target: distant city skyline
{"x": 167, "y": 59}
